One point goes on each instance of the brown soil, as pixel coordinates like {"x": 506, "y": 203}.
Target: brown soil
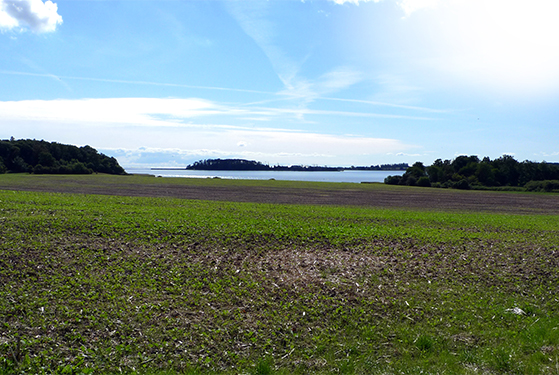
{"x": 380, "y": 197}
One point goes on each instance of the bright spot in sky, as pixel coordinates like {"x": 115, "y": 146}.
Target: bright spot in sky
{"x": 507, "y": 46}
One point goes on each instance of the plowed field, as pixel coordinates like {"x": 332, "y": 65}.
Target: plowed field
{"x": 283, "y": 192}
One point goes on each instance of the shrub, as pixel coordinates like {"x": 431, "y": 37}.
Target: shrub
{"x": 424, "y": 182}
{"x": 462, "y": 185}
{"x": 546, "y": 185}
{"x": 392, "y": 180}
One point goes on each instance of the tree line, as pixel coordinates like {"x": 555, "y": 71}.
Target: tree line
{"x": 251, "y": 165}
{"x": 41, "y": 157}
{"x": 469, "y": 172}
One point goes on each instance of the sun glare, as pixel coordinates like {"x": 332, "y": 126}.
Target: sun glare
{"x": 508, "y": 46}
{"x": 505, "y": 46}
{"x": 511, "y": 44}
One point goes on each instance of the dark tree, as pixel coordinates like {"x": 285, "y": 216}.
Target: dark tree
{"x": 467, "y": 172}
{"x": 34, "y": 156}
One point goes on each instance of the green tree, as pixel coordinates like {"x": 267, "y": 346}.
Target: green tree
{"x": 507, "y": 170}
{"x": 424, "y": 182}
{"x": 3, "y": 168}
{"x": 485, "y": 174}
{"x": 46, "y": 159}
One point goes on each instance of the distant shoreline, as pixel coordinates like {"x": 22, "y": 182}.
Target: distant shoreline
{"x": 168, "y": 169}
{"x": 274, "y": 170}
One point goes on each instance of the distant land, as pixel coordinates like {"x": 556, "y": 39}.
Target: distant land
{"x": 471, "y": 172}
{"x": 41, "y": 157}
{"x": 251, "y": 165}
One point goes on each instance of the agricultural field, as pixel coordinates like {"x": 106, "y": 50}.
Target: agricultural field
{"x": 123, "y": 274}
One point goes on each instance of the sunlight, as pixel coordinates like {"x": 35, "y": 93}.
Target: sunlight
{"x": 508, "y": 47}
{"x": 511, "y": 44}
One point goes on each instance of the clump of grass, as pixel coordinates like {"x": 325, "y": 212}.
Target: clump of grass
{"x": 425, "y": 343}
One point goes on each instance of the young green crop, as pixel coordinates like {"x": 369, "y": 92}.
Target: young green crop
{"x": 103, "y": 284}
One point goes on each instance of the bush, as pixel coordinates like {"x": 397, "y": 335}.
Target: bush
{"x": 392, "y": 180}
{"x": 462, "y": 185}
{"x": 79, "y": 168}
{"x": 410, "y": 181}
{"x": 424, "y": 182}
{"x": 546, "y": 185}
{"x": 39, "y": 169}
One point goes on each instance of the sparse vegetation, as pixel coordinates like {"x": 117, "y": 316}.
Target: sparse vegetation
{"x": 109, "y": 284}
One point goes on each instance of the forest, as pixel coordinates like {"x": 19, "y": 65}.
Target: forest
{"x": 41, "y": 157}
{"x": 469, "y": 172}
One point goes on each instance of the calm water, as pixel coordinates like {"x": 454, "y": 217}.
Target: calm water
{"x": 344, "y": 176}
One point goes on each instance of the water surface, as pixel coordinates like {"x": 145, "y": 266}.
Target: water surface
{"x": 343, "y": 176}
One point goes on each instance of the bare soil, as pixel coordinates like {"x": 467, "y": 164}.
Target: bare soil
{"x": 378, "y": 196}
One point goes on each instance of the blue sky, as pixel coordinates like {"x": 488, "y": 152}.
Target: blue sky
{"x": 323, "y": 82}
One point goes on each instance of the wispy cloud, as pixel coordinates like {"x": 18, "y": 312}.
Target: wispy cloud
{"x": 131, "y": 123}
{"x": 130, "y": 82}
{"x": 384, "y": 104}
{"x": 300, "y": 112}
{"x": 408, "y": 6}
{"x": 327, "y": 84}
{"x": 162, "y": 112}
{"x": 306, "y": 91}
{"x": 355, "y": 2}
{"x": 138, "y": 111}
{"x": 254, "y": 18}
{"x": 39, "y": 16}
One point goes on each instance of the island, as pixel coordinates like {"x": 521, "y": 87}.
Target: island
{"x": 251, "y": 165}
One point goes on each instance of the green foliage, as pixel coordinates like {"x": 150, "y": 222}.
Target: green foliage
{"x": 42, "y": 157}
{"x": 466, "y": 172}
{"x": 543, "y": 186}
{"x": 392, "y": 180}
{"x": 251, "y": 165}
{"x": 462, "y": 184}
{"x": 424, "y": 181}
{"x": 109, "y": 284}
{"x": 3, "y": 168}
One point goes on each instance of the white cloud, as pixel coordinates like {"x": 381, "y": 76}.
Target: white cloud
{"x": 136, "y": 111}
{"x": 408, "y": 6}
{"x": 131, "y": 123}
{"x": 333, "y": 81}
{"x": 355, "y": 2}
{"x": 38, "y": 16}
{"x": 411, "y": 6}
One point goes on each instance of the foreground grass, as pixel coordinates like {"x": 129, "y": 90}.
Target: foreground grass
{"x": 103, "y": 284}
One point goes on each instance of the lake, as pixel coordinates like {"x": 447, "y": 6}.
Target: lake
{"x": 343, "y": 176}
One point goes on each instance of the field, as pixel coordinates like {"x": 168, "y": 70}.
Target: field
{"x": 103, "y": 274}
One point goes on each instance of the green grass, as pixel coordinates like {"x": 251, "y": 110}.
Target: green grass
{"x": 105, "y": 284}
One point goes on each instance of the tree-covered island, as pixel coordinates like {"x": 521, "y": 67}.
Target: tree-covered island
{"x": 41, "y": 157}
{"x": 251, "y": 165}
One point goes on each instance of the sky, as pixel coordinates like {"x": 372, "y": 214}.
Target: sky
{"x": 316, "y": 82}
